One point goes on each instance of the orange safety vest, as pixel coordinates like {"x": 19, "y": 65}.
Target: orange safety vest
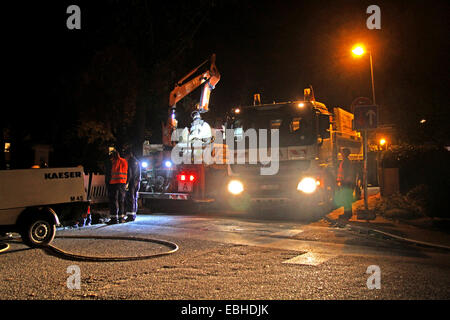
{"x": 119, "y": 171}
{"x": 345, "y": 175}
{"x": 340, "y": 175}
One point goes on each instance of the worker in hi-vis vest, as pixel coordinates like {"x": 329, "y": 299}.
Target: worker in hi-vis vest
{"x": 346, "y": 178}
{"x": 116, "y": 181}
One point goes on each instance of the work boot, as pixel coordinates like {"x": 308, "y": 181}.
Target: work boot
{"x": 112, "y": 221}
{"x": 122, "y": 220}
{"x": 131, "y": 217}
{"x": 346, "y": 216}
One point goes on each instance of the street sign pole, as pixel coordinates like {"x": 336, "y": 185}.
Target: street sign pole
{"x": 366, "y": 119}
{"x": 366, "y": 204}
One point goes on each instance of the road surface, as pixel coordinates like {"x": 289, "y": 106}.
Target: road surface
{"x": 229, "y": 257}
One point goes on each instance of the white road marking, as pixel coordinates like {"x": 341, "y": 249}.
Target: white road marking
{"x": 310, "y": 259}
{"x": 287, "y": 233}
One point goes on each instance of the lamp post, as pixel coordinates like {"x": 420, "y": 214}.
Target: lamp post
{"x": 358, "y": 50}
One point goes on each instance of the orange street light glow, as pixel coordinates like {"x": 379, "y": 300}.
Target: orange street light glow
{"x": 358, "y": 50}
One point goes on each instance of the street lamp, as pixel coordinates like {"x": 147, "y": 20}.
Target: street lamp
{"x": 358, "y": 51}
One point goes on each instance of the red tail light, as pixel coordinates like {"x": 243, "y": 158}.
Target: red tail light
{"x": 187, "y": 177}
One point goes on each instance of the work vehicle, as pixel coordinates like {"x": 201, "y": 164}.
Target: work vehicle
{"x": 310, "y": 140}
{"x": 161, "y": 177}
{"x": 32, "y": 201}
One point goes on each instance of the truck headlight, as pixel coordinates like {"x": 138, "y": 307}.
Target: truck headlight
{"x": 307, "y": 185}
{"x": 235, "y": 187}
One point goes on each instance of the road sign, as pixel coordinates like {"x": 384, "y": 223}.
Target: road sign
{"x": 362, "y": 101}
{"x": 366, "y": 117}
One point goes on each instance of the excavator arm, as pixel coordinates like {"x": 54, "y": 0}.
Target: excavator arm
{"x": 183, "y": 87}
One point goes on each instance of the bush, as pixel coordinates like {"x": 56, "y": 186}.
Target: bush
{"x": 400, "y": 206}
{"x": 424, "y": 176}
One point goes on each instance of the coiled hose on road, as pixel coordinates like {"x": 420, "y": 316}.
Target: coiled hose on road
{"x": 72, "y": 256}
{"x": 3, "y": 247}
{"x": 79, "y": 257}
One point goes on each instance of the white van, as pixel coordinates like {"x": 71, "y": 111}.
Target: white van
{"x": 31, "y": 200}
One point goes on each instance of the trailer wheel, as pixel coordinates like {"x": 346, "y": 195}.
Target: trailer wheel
{"x": 38, "y": 232}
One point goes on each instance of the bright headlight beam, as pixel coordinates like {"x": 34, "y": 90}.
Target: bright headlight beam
{"x": 235, "y": 187}
{"x": 307, "y": 185}
{"x": 168, "y": 164}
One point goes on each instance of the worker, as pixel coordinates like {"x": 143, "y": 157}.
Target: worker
{"x": 116, "y": 180}
{"x": 346, "y": 183}
{"x": 134, "y": 181}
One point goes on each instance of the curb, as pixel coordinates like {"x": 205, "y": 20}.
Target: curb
{"x": 393, "y": 236}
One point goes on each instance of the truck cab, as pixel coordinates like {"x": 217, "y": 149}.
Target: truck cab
{"x": 309, "y": 149}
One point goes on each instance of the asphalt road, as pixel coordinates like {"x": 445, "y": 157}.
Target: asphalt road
{"x": 228, "y": 257}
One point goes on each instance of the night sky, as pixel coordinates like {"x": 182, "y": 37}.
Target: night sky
{"x": 275, "y": 48}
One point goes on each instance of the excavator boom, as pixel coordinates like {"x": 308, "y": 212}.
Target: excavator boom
{"x": 212, "y": 77}
{"x": 208, "y": 79}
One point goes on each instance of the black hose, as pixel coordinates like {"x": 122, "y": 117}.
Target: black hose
{"x": 79, "y": 257}
{"x": 3, "y": 247}
{"x": 72, "y": 256}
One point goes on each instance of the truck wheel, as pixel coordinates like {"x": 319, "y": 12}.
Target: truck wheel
{"x": 38, "y": 233}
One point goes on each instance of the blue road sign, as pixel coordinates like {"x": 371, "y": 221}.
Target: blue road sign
{"x": 366, "y": 117}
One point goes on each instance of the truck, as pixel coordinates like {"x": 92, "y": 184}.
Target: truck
{"x": 162, "y": 179}
{"x": 32, "y": 201}
{"x": 311, "y": 138}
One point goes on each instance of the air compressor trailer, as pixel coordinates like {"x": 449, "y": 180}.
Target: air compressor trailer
{"x": 33, "y": 200}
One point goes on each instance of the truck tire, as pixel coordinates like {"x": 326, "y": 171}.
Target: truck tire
{"x": 38, "y": 232}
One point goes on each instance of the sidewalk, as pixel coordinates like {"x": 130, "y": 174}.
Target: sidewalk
{"x": 419, "y": 231}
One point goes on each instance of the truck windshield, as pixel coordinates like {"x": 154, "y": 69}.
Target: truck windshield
{"x": 295, "y": 124}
